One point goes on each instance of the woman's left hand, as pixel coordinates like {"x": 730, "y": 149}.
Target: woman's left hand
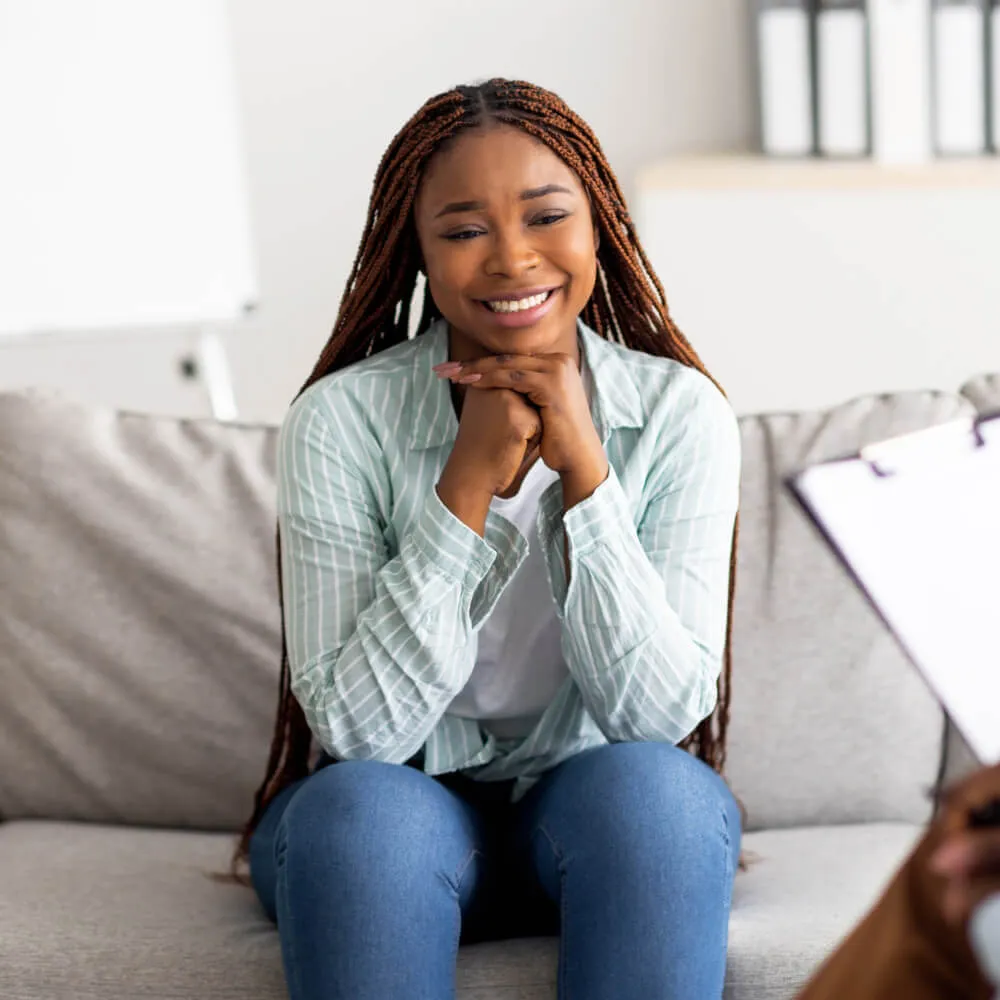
{"x": 570, "y": 443}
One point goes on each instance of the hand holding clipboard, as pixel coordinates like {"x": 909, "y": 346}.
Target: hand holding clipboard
{"x": 916, "y": 522}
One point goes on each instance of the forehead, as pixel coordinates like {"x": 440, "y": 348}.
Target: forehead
{"x": 490, "y": 165}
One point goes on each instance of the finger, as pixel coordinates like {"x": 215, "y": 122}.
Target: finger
{"x": 973, "y": 790}
{"x": 494, "y": 362}
{"x": 534, "y": 386}
{"x": 962, "y": 897}
{"x": 972, "y": 852}
{"x": 500, "y": 378}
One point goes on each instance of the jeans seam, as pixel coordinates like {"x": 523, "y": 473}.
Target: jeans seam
{"x": 560, "y": 863}
{"x": 730, "y": 866}
{"x": 454, "y": 882}
{"x": 281, "y": 889}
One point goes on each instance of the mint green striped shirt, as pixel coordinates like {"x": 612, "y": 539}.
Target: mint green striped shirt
{"x": 385, "y": 589}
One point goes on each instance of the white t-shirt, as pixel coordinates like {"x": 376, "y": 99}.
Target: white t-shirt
{"x": 519, "y": 666}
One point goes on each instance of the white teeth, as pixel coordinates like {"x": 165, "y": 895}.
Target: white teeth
{"x": 510, "y": 306}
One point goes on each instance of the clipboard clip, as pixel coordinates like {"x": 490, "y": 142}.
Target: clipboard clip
{"x": 925, "y": 447}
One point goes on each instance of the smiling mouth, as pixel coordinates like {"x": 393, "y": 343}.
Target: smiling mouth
{"x": 509, "y": 306}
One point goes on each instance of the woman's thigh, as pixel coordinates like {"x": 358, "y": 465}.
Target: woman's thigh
{"x": 638, "y": 843}
{"x": 632, "y": 796}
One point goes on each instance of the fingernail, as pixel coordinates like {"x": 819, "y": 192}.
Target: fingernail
{"x": 469, "y": 378}
{"x": 447, "y": 366}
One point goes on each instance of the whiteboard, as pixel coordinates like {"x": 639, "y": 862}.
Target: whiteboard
{"x": 123, "y": 200}
{"x": 917, "y": 521}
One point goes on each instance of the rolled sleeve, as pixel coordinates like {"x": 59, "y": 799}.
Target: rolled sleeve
{"x": 644, "y": 614}
{"x": 482, "y": 566}
{"x": 378, "y": 646}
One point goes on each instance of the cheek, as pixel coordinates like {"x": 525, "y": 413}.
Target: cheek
{"x": 448, "y": 270}
{"x": 580, "y": 257}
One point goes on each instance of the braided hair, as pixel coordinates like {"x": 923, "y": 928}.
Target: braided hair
{"x": 627, "y": 306}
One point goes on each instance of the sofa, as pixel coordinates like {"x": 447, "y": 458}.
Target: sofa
{"x": 139, "y": 651}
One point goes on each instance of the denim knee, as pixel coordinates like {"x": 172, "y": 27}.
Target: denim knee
{"x": 386, "y": 820}
{"x": 642, "y": 800}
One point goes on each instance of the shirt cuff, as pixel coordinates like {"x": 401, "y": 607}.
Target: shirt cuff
{"x": 450, "y": 545}
{"x": 589, "y": 522}
{"x": 481, "y": 566}
{"x": 553, "y": 540}
{"x": 599, "y": 516}
{"x": 511, "y": 549}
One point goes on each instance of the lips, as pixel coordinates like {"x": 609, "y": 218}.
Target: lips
{"x": 522, "y": 317}
{"x": 520, "y": 293}
{"x": 507, "y": 306}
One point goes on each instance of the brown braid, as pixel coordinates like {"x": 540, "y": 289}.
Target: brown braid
{"x": 628, "y": 306}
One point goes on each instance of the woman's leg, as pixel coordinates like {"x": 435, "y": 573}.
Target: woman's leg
{"x": 367, "y": 868}
{"x": 638, "y": 842}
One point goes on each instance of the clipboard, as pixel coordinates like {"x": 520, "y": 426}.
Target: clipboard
{"x": 915, "y": 520}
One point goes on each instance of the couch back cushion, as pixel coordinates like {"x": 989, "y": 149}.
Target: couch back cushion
{"x": 139, "y": 629}
{"x": 830, "y": 723}
{"x": 983, "y": 392}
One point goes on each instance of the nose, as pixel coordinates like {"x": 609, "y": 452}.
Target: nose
{"x": 511, "y": 253}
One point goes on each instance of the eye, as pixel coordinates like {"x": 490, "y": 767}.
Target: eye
{"x": 549, "y": 218}
{"x": 465, "y": 234}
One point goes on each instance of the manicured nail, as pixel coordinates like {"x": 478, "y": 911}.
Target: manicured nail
{"x": 468, "y": 378}
{"x": 447, "y": 366}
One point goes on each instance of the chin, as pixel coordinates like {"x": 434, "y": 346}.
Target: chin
{"x": 544, "y": 337}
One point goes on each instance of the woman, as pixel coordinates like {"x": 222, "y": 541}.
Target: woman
{"x": 506, "y": 563}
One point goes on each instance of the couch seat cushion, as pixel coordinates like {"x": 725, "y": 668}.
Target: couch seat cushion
{"x": 90, "y": 912}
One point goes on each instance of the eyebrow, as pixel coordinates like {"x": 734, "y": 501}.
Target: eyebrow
{"x": 475, "y": 206}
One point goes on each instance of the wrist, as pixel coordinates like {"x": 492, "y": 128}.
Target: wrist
{"x": 468, "y": 502}
{"x": 581, "y": 481}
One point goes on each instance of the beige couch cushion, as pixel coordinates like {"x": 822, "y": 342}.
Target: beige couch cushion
{"x": 97, "y": 913}
{"x": 138, "y": 614}
{"x": 831, "y": 724}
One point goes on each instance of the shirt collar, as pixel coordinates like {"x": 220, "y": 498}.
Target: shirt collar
{"x": 615, "y": 403}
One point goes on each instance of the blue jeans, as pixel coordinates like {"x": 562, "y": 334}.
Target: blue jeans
{"x": 375, "y": 872}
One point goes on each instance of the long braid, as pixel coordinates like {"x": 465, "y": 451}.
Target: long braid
{"x": 628, "y": 305}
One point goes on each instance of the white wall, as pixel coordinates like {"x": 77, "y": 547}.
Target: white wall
{"x": 802, "y": 286}
{"x": 324, "y": 84}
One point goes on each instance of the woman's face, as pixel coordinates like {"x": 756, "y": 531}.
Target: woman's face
{"x": 501, "y": 219}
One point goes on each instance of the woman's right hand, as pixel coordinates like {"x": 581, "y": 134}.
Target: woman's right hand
{"x": 497, "y": 430}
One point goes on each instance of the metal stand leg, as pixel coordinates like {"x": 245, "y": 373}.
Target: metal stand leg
{"x": 217, "y": 375}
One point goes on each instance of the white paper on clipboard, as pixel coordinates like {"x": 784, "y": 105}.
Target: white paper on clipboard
{"x": 917, "y": 521}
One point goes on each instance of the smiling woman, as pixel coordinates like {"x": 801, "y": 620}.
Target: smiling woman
{"x": 506, "y": 568}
